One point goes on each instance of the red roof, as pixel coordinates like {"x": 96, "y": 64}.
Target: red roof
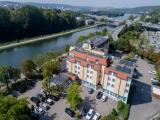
{"x": 119, "y": 74}
{"x": 90, "y": 58}
{"x": 72, "y": 76}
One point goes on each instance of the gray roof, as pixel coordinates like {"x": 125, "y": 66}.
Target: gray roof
{"x": 94, "y": 41}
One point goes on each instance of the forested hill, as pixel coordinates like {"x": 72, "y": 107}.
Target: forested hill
{"x": 29, "y": 21}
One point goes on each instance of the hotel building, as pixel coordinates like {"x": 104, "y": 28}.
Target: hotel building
{"x": 89, "y": 61}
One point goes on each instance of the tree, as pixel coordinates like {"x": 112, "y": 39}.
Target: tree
{"x": 48, "y": 69}
{"x": 158, "y": 74}
{"x": 8, "y": 73}
{"x": 120, "y": 106}
{"x": 80, "y": 39}
{"x": 73, "y": 96}
{"x": 27, "y": 67}
{"x": 131, "y": 17}
{"x": 13, "y": 109}
{"x": 57, "y": 89}
{"x": 67, "y": 48}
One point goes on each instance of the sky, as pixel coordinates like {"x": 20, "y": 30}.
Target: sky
{"x": 99, "y": 3}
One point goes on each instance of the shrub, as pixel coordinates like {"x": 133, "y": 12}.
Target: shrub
{"x": 114, "y": 112}
{"x": 125, "y": 112}
{"x": 120, "y": 106}
{"x": 78, "y": 115}
{"x": 111, "y": 117}
{"x": 104, "y": 118}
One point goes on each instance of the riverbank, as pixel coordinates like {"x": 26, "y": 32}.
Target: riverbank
{"x": 42, "y": 38}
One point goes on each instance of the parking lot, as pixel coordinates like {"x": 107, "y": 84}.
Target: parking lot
{"x": 143, "y": 105}
{"x": 56, "y": 111}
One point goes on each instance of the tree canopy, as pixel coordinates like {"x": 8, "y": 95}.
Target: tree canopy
{"x": 29, "y": 21}
{"x": 73, "y": 96}
{"x": 13, "y": 109}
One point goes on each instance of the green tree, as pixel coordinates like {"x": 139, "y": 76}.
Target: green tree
{"x": 7, "y": 74}
{"x": 67, "y": 47}
{"x": 120, "y": 106}
{"x": 73, "y": 96}
{"x": 48, "y": 69}
{"x": 57, "y": 89}
{"x": 104, "y": 118}
{"x": 80, "y": 39}
{"x": 131, "y": 17}
{"x": 13, "y": 109}
{"x": 27, "y": 67}
{"x": 158, "y": 74}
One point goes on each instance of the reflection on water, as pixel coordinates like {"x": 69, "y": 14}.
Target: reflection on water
{"x": 16, "y": 55}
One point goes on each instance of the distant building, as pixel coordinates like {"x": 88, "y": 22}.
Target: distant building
{"x": 89, "y": 61}
{"x": 89, "y": 22}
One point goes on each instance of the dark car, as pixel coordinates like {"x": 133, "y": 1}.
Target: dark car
{"x": 99, "y": 95}
{"x": 40, "y": 97}
{"x": 70, "y": 112}
{"x": 35, "y": 100}
{"x": 53, "y": 97}
{"x": 90, "y": 90}
{"x": 84, "y": 111}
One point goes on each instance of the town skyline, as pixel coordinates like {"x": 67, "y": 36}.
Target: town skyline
{"x": 100, "y": 3}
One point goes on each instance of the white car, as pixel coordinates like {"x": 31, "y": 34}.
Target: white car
{"x": 154, "y": 80}
{"x": 49, "y": 101}
{"x": 90, "y": 114}
{"x": 45, "y": 106}
{"x": 104, "y": 98}
{"x": 39, "y": 110}
{"x": 152, "y": 72}
{"x": 96, "y": 116}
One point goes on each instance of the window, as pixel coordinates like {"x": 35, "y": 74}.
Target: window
{"x": 126, "y": 91}
{"x": 75, "y": 71}
{"x": 87, "y": 71}
{"x": 78, "y": 67}
{"x": 75, "y": 66}
{"x": 113, "y": 80}
{"x": 78, "y": 62}
{"x": 91, "y": 72}
{"x": 90, "y": 77}
{"x": 108, "y": 84}
{"x": 112, "y": 85}
{"x": 127, "y": 85}
{"x": 109, "y": 78}
{"x": 87, "y": 76}
{"x": 78, "y": 72}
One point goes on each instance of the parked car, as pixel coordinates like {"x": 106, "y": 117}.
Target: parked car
{"x": 49, "y": 101}
{"x": 44, "y": 94}
{"x": 90, "y": 90}
{"x": 154, "y": 80}
{"x": 53, "y": 97}
{"x": 84, "y": 111}
{"x": 99, "y": 95}
{"x": 40, "y": 98}
{"x": 35, "y": 100}
{"x": 97, "y": 116}
{"x": 152, "y": 72}
{"x": 69, "y": 112}
{"x": 39, "y": 110}
{"x": 45, "y": 106}
{"x": 90, "y": 114}
{"x": 104, "y": 98}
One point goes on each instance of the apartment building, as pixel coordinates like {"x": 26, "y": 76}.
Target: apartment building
{"x": 89, "y": 61}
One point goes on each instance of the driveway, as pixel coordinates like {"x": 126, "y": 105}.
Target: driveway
{"x": 143, "y": 105}
{"x": 104, "y": 108}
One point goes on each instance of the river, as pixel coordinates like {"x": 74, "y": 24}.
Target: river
{"x": 14, "y": 56}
